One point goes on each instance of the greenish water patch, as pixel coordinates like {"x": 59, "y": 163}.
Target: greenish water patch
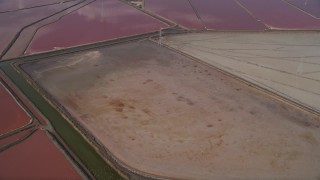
{"x": 79, "y": 146}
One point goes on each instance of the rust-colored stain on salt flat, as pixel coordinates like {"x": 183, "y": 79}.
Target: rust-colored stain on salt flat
{"x": 179, "y": 11}
{"x": 278, "y": 14}
{"x": 12, "y": 116}
{"x": 163, "y": 113}
{"x": 36, "y": 158}
{"x": 225, "y": 15}
{"x": 98, "y": 21}
{"x": 309, "y": 6}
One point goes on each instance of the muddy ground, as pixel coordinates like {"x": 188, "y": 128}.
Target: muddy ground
{"x": 165, "y": 114}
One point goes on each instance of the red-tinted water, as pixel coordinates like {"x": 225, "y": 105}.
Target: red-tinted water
{"x": 310, "y": 6}
{"x": 23, "y": 99}
{"x": 36, "y": 158}
{"x": 225, "y": 15}
{"x": 15, "y": 137}
{"x": 12, "y": 22}
{"x": 178, "y": 11}
{"x": 12, "y": 5}
{"x": 12, "y": 116}
{"x": 98, "y": 21}
{"x": 278, "y": 14}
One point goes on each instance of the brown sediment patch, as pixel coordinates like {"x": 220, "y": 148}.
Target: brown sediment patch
{"x": 117, "y": 105}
